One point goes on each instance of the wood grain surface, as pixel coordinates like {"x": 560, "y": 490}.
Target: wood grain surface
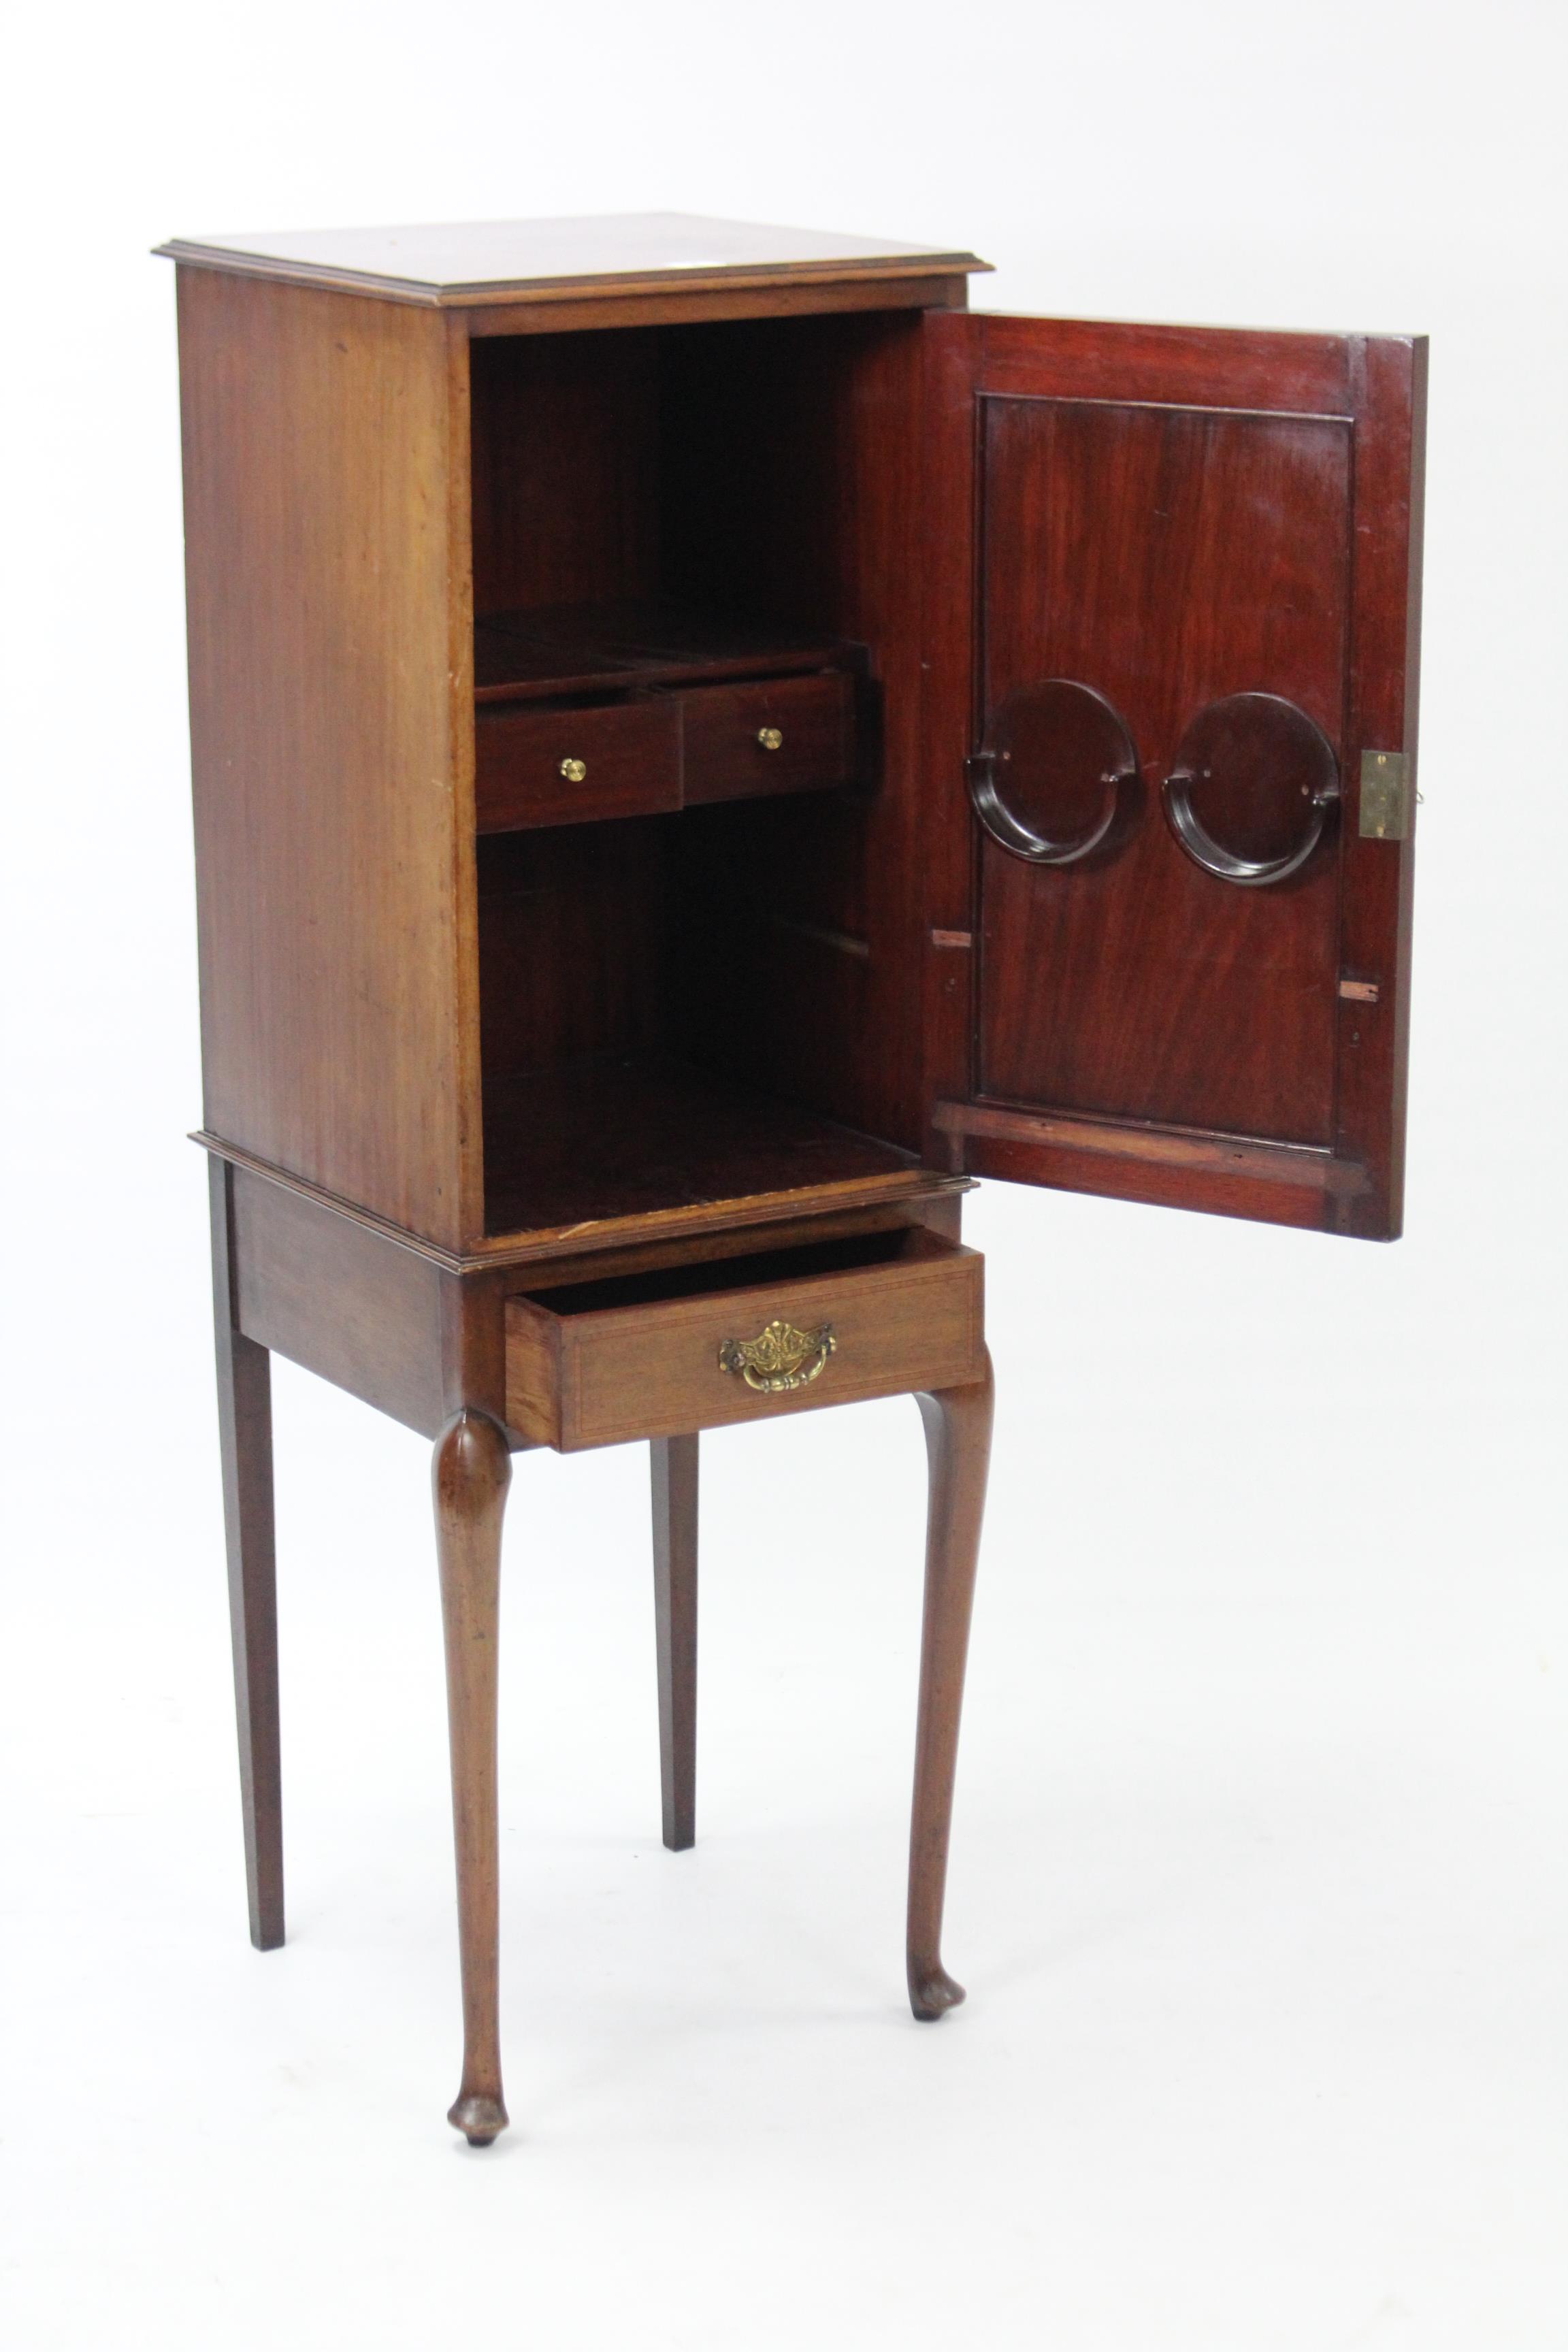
{"x": 326, "y": 485}
{"x": 793, "y": 492}
{"x": 245, "y": 1449}
{"x": 1166, "y": 557}
{"x": 481, "y": 262}
{"x": 675, "y": 1489}
{"x": 906, "y": 1311}
{"x": 470, "y": 1472}
{"x": 958, "y": 1453}
{"x": 724, "y": 757}
{"x": 598, "y": 1141}
{"x": 1171, "y": 516}
{"x": 630, "y": 753}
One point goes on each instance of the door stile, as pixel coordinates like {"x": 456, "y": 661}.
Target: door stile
{"x": 950, "y": 912}
{"x": 1388, "y": 379}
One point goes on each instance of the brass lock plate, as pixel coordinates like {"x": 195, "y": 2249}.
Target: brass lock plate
{"x": 1385, "y": 796}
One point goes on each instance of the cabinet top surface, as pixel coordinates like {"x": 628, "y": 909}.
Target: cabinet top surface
{"x": 544, "y": 259}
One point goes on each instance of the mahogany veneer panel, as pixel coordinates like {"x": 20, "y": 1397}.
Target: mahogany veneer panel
{"x": 1167, "y": 556}
{"x": 330, "y": 667}
{"x": 348, "y": 1304}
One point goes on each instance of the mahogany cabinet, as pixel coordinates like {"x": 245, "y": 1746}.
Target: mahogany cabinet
{"x": 702, "y": 746}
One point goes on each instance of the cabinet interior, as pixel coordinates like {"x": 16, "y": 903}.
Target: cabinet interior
{"x": 701, "y": 1002}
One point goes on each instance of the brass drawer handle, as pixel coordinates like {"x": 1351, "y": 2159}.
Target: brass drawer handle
{"x": 574, "y": 771}
{"x": 771, "y": 737}
{"x": 778, "y": 1357}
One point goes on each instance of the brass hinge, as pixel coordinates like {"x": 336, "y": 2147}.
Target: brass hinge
{"x": 1385, "y": 796}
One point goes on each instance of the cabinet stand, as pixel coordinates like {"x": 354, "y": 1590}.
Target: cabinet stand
{"x": 471, "y": 1474}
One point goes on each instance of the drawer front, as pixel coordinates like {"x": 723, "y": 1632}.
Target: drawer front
{"x": 750, "y": 1354}
{"x": 628, "y": 753}
{"x": 731, "y": 752}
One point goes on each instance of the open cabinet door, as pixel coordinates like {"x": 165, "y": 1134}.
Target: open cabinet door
{"x": 1172, "y": 608}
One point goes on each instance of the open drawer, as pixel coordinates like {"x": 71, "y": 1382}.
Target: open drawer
{"x": 582, "y": 759}
{"x": 694, "y": 1346}
{"x": 567, "y": 764}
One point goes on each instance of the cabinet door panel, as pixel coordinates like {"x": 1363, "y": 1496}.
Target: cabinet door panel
{"x": 1174, "y": 556}
{"x": 1209, "y": 1008}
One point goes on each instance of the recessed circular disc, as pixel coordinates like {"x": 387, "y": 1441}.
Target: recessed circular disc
{"x": 1258, "y": 769}
{"x": 1059, "y": 754}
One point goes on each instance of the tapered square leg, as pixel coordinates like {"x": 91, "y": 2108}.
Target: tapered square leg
{"x": 471, "y": 1474}
{"x": 675, "y": 1612}
{"x": 958, "y": 1446}
{"x": 245, "y": 1435}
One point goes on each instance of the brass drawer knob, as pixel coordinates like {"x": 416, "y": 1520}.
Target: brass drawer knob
{"x": 574, "y": 771}
{"x": 771, "y": 737}
{"x": 779, "y": 1357}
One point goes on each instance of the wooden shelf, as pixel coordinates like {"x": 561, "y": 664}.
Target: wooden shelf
{"x": 577, "y": 649}
{"x": 622, "y": 1139}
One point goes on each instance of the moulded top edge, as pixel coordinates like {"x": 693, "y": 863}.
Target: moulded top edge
{"x": 552, "y": 259}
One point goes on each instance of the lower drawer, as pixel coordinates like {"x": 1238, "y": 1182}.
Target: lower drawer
{"x": 696, "y": 1347}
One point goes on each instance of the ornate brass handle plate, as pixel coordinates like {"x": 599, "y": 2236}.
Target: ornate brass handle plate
{"x": 779, "y": 1358}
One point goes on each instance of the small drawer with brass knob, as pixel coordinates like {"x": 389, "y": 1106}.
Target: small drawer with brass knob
{"x": 546, "y": 764}
{"x": 779, "y": 735}
{"x": 700, "y": 1345}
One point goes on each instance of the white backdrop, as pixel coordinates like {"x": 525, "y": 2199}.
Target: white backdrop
{"x": 1259, "y": 1885}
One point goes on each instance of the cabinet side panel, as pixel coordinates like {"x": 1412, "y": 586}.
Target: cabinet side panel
{"x": 331, "y": 757}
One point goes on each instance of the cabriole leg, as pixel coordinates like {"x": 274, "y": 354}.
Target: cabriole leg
{"x": 675, "y": 1611}
{"x": 958, "y": 1446}
{"x": 244, "y": 1439}
{"x": 471, "y": 1471}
